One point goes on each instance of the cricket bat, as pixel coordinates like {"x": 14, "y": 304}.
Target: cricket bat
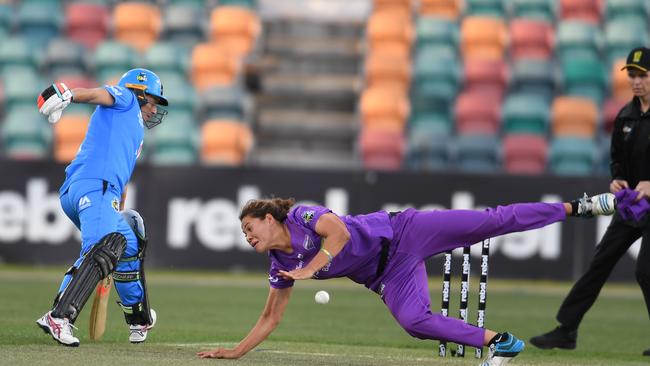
{"x": 97, "y": 321}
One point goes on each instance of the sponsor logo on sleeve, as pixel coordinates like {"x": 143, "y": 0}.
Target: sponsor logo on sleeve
{"x": 84, "y": 202}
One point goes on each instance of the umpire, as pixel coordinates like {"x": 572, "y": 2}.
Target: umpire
{"x": 630, "y": 168}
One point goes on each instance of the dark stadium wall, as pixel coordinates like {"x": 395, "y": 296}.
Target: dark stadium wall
{"x": 192, "y": 213}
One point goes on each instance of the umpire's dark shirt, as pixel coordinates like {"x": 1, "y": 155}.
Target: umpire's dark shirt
{"x": 630, "y": 151}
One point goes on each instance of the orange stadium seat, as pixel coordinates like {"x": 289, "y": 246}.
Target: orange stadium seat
{"x": 384, "y": 109}
{"x": 530, "y": 38}
{"x": 69, "y": 132}
{"x": 525, "y": 154}
{"x": 478, "y": 113}
{"x": 483, "y": 37}
{"x": 388, "y": 70}
{"x": 382, "y": 149}
{"x": 574, "y": 116}
{"x": 234, "y": 27}
{"x": 87, "y": 23}
{"x": 620, "y": 84}
{"x": 225, "y": 142}
{"x": 396, "y": 6}
{"x": 390, "y": 32}
{"x": 487, "y": 76}
{"x": 450, "y": 9}
{"x": 137, "y": 24}
{"x": 212, "y": 65}
{"x": 587, "y": 10}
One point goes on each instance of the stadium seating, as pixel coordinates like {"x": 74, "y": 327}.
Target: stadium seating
{"x": 25, "y": 134}
{"x": 448, "y": 9}
{"x": 175, "y": 141}
{"x": 623, "y": 35}
{"x": 21, "y": 87}
{"x": 111, "y": 59}
{"x": 183, "y": 24}
{"x": 534, "y": 77}
{"x": 87, "y": 22}
{"x": 610, "y": 111}
{"x": 585, "y": 10}
{"x": 382, "y": 149}
{"x": 390, "y": 32}
{"x": 530, "y": 38}
{"x": 39, "y": 23}
{"x": 574, "y": 116}
{"x": 491, "y": 8}
{"x": 526, "y": 114}
{"x": 16, "y": 53}
{"x": 436, "y": 31}
{"x": 630, "y": 10}
{"x": 394, "y": 6}
{"x": 235, "y": 28}
{"x": 225, "y": 142}
{"x": 388, "y": 70}
{"x": 165, "y": 56}
{"x": 483, "y": 38}
{"x": 212, "y": 65}
{"x": 478, "y": 153}
{"x": 431, "y": 123}
{"x": 427, "y": 151}
{"x": 383, "y": 109}
{"x": 543, "y": 10}
{"x": 223, "y": 103}
{"x": 69, "y": 132}
{"x": 137, "y": 24}
{"x": 477, "y": 113}
{"x": 578, "y": 39}
{"x": 524, "y": 154}
{"x": 486, "y": 76}
{"x": 64, "y": 57}
{"x": 572, "y": 156}
{"x": 585, "y": 78}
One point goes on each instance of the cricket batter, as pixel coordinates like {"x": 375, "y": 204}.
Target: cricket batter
{"x": 386, "y": 252}
{"x": 94, "y": 190}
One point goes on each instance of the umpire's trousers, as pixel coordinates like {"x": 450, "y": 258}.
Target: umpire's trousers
{"x": 618, "y": 238}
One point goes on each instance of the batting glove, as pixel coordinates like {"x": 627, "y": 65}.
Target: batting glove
{"x": 53, "y": 100}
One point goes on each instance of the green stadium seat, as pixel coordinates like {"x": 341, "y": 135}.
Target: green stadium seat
{"x": 477, "y": 153}
{"x": 578, "y": 39}
{"x": 630, "y": 10}
{"x": 495, "y": 8}
{"x": 16, "y": 52}
{"x": 585, "y": 78}
{"x": 64, "y": 57}
{"x": 621, "y": 36}
{"x": 535, "y": 9}
{"x": 229, "y": 103}
{"x": 178, "y": 91}
{"x": 6, "y": 17}
{"x": 199, "y": 4}
{"x": 26, "y": 134}
{"x": 533, "y": 76}
{"x": 436, "y": 80}
{"x": 175, "y": 141}
{"x": 427, "y": 150}
{"x": 573, "y": 156}
{"x": 39, "y": 22}
{"x": 432, "y": 123}
{"x": 166, "y": 56}
{"x": 436, "y": 31}
{"x": 21, "y": 87}
{"x": 526, "y": 113}
{"x": 245, "y": 3}
{"x": 112, "y": 59}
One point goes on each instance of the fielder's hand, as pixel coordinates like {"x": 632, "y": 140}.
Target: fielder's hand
{"x": 52, "y": 101}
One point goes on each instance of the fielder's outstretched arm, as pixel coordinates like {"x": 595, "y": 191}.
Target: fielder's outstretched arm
{"x": 273, "y": 310}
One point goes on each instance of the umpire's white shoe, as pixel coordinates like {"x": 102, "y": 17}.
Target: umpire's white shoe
{"x": 139, "y": 332}
{"x": 59, "y": 328}
{"x": 600, "y": 204}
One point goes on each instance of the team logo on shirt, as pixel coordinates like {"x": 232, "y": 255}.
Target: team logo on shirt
{"x": 307, "y": 216}
{"x": 115, "y": 204}
{"x": 308, "y": 244}
{"x": 273, "y": 279}
{"x": 84, "y": 202}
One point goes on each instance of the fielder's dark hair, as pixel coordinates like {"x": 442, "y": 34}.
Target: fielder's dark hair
{"x": 277, "y": 207}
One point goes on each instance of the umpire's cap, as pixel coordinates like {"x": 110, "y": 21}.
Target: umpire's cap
{"x": 639, "y": 58}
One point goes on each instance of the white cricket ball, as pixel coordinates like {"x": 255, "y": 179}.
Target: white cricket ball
{"x": 322, "y": 297}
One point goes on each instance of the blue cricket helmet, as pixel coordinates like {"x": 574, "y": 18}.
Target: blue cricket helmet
{"x": 146, "y": 81}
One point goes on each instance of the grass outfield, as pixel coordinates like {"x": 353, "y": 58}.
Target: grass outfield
{"x": 199, "y": 310}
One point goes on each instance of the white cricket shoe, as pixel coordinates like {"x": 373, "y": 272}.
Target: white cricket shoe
{"x": 59, "y": 328}
{"x": 600, "y": 204}
{"x": 139, "y": 332}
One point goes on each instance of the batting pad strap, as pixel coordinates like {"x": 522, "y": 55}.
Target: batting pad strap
{"x": 126, "y": 276}
{"x": 129, "y": 259}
